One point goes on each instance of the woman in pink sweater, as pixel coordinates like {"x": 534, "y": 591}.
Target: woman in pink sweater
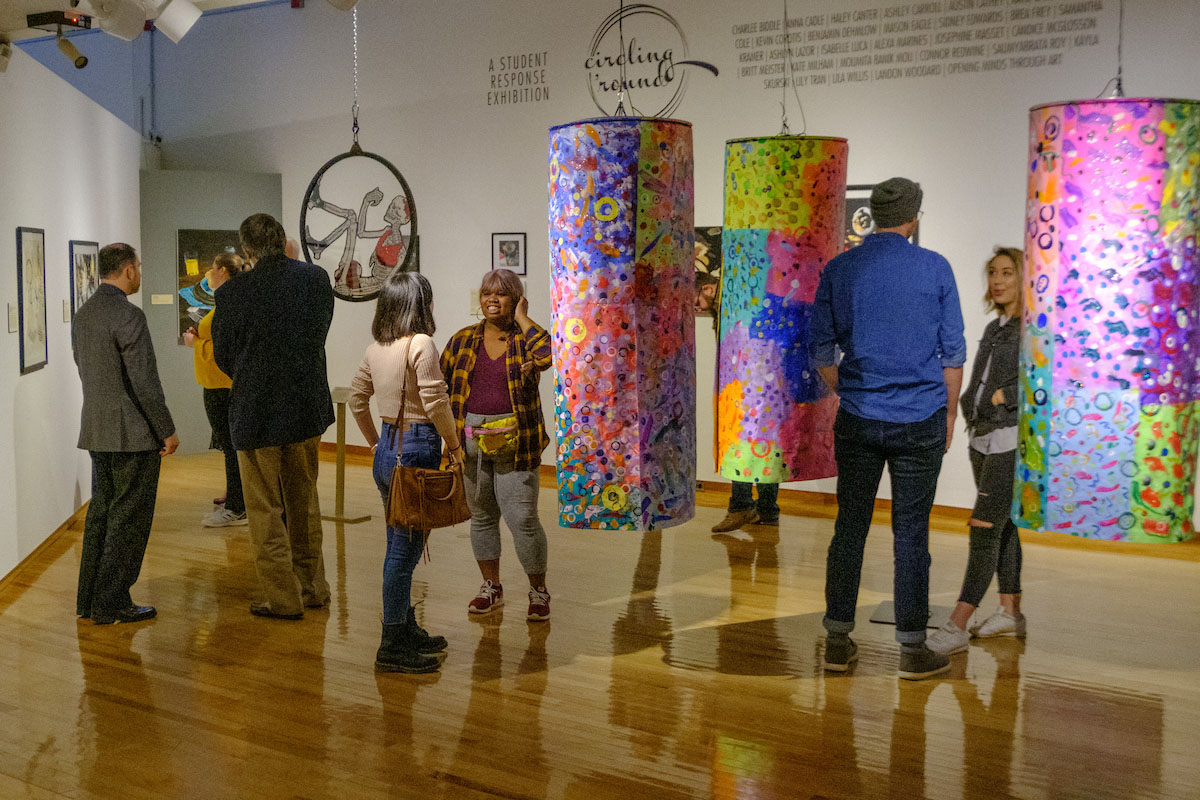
{"x": 402, "y": 367}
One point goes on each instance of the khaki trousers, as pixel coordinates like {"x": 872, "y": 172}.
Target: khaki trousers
{"x": 280, "y": 485}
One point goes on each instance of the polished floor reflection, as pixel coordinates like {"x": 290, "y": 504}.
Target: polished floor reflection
{"x": 676, "y": 665}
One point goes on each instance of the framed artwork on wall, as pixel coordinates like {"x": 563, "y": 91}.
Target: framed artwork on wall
{"x": 195, "y": 254}
{"x": 708, "y": 270}
{"x": 859, "y": 222}
{"x": 85, "y": 272}
{"x": 508, "y": 252}
{"x": 31, "y": 297}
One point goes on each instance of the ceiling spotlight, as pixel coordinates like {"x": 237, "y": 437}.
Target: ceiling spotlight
{"x": 177, "y": 18}
{"x": 343, "y": 5}
{"x": 125, "y": 19}
{"x": 70, "y": 51}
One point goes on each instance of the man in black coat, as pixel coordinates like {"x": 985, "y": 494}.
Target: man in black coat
{"x": 269, "y": 336}
{"x": 127, "y": 429}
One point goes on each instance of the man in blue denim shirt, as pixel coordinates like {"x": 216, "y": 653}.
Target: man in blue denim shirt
{"x": 892, "y": 309}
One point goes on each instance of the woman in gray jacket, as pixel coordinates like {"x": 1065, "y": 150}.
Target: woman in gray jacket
{"x": 989, "y": 407}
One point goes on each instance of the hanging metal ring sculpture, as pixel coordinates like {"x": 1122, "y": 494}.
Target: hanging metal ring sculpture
{"x": 383, "y": 250}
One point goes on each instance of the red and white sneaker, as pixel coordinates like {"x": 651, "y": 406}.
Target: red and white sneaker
{"x": 539, "y": 604}
{"x": 490, "y": 597}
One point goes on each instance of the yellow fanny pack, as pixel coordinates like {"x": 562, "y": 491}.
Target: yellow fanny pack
{"x": 497, "y": 439}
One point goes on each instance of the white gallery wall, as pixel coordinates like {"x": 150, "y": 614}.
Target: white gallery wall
{"x": 268, "y": 89}
{"x": 70, "y": 168}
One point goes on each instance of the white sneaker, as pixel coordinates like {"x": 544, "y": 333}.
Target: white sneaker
{"x": 999, "y": 624}
{"x": 223, "y": 518}
{"x": 948, "y": 639}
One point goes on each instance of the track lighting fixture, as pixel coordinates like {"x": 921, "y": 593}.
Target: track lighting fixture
{"x": 177, "y": 18}
{"x": 68, "y": 49}
{"x": 125, "y": 19}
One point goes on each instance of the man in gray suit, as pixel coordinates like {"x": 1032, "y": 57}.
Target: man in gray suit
{"x": 126, "y": 428}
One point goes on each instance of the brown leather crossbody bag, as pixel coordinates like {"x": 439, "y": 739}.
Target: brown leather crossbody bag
{"x": 421, "y": 498}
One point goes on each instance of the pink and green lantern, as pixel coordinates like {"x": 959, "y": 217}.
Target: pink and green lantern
{"x": 785, "y": 205}
{"x": 623, "y": 330}
{"x": 1110, "y": 342}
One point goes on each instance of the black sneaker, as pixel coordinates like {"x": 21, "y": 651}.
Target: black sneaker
{"x": 922, "y": 664}
{"x": 840, "y": 653}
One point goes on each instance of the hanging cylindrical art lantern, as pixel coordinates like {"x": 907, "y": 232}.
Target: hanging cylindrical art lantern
{"x": 785, "y": 207}
{"x": 1111, "y": 335}
{"x": 621, "y": 262}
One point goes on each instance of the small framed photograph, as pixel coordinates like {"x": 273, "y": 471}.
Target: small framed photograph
{"x": 508, "y": 252}
{"x": 85, "y": 272}
{"x": 31, "y": 297}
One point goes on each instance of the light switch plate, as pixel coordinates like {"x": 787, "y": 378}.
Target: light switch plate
{"x": 66, "y": 310}
{"x": 12, "y": 318}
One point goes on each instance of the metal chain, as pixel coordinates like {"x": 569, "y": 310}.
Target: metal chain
{"x": 355, "y": 107}
{"x": 620, "y": 111}
{"x": 784, "y": 130}
{"x": 1120, "y": 43}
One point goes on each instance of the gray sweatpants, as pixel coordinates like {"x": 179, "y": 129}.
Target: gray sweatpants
{"x": 496, "y": 489}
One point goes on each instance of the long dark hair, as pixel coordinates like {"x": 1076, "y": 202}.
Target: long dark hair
{"x": 404, "y": 307}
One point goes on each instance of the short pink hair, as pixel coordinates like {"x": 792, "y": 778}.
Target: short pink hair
{"x": 502, "y": 281}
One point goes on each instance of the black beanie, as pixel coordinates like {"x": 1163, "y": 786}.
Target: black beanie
{"x": 895, "y": 202}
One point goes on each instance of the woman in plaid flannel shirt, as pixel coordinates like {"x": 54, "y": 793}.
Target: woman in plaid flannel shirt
{"x": 492, "y": 369}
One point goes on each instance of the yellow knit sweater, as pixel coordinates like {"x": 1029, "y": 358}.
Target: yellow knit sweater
{"x": 208, "y": 374}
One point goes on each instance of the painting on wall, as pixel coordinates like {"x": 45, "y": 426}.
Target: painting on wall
{"x": 85, "y": 272}
{"x": 708, "y": 270}
{"x": 31, "y": 297}
{"x": 197, "y": 249}
{"x": 508, "y": 252}
{"x": 859, "y": 222}
{"x": 359, "y": 223}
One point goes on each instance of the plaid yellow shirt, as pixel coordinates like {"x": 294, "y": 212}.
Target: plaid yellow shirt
{"x": 458, "y": 361}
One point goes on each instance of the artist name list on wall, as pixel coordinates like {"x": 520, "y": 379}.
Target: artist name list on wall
{"x": 927, "y": 39}
{"x": 517, "y": 78}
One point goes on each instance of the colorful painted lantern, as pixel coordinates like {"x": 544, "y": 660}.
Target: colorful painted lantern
{"x": 1111, "y": 335}
{"x": 621, "y": 262}
{"x": 785, "y": 205}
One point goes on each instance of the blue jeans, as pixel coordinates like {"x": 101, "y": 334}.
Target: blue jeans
{"x": 742, "y": 499}
{"x": 913, "y": 454}
{"x": 422, "y": 448}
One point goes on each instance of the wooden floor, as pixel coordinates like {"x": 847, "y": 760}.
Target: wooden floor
{"x": 675, "y": 666}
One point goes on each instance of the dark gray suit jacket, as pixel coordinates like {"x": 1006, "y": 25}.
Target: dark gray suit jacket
{"x": 123, "y": 405}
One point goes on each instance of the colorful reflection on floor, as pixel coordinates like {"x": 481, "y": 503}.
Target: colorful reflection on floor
{"x": 677, "y": 665}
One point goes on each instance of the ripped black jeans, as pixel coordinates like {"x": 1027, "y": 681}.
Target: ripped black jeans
{"x": 995, "y": 550}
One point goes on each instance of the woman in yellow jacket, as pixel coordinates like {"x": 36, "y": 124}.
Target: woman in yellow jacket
{"x": 216, "y": 386}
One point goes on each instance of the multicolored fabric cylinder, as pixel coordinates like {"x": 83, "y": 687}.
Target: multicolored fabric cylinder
{"x": 621, "y": 262}
{"x": 785, "y": 206}
{"x": 1111, "y": 334}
